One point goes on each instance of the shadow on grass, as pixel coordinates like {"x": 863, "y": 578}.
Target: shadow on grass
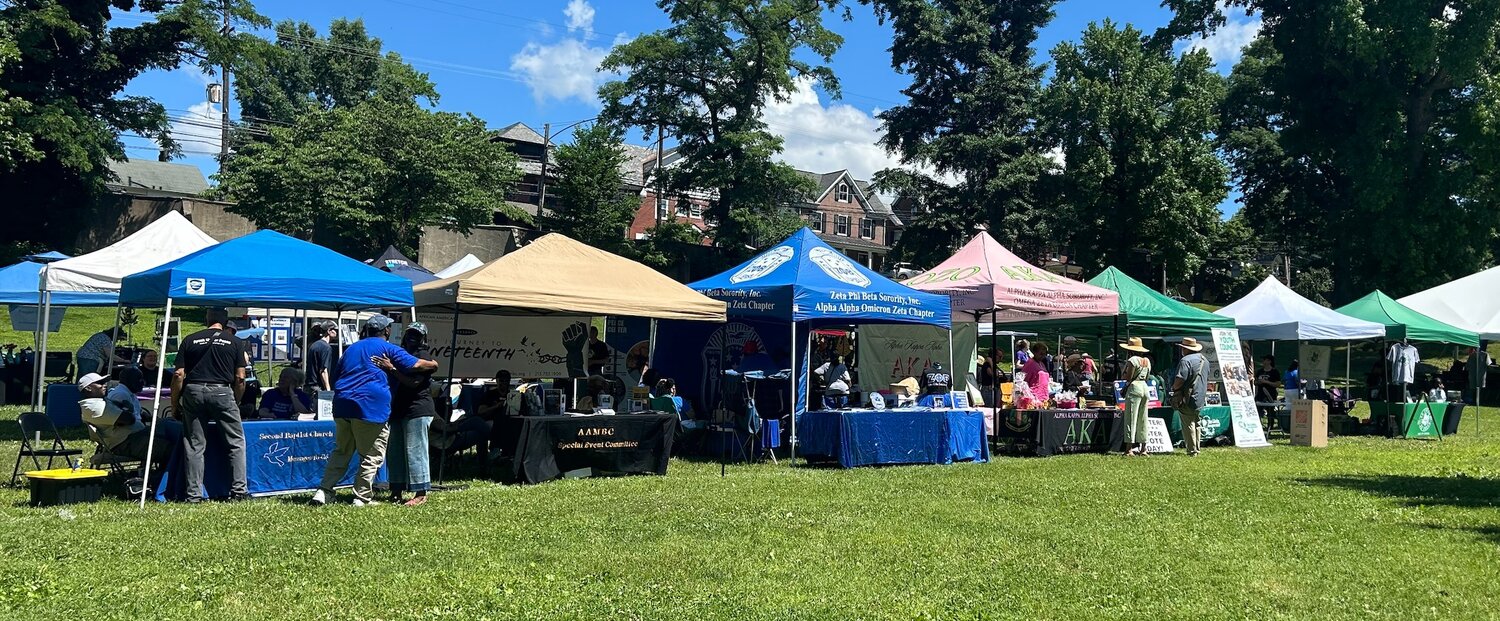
{"x": 1416, "y": 491}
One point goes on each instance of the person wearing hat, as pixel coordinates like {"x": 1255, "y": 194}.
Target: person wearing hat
{"x": 362, "y": 407}
{"x": 1136, "y": 369}
{"x": 1192, "y": 377}
{"x": 207, "y": 387}
{"x": 115, "y": 414}
{"x": 412, "y": 411}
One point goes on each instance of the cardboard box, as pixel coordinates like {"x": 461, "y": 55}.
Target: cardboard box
{"x": 1309, "y": 423}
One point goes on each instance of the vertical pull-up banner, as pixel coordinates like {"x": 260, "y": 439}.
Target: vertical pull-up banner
{"x": 1241, "y": 395}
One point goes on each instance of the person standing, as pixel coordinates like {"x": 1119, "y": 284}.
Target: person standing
{"x": 1137, "y": 397}
{"x": 1291, "y": 384}
{"x": 319, "y": 359}
{"x": 1190, "y": 392}
{"x": 97, "y": 351}
{"x": 1267, "y": 380}
{"x": 207, "y": 387}
{"x": 362, "y": 407}
{"x": 598, "y": 353}
{"x": 412, "y": 411}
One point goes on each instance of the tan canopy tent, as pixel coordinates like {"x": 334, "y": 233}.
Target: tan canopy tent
{"x": 556, "y": 275}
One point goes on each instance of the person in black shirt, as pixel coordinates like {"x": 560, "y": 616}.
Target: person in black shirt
{"x": 207, "y": 386}
{"x": 1267, "y": 380}
{"x": 412, "y": 410}
{"x": 319, "y": 359}
{"x": 598, "y": 353}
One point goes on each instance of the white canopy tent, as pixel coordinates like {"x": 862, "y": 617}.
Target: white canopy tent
{"x": 1469, "y": 303}
{"x": 1273, "y": 312}
{"x": 168, "y": 238}
{"x": 460, "y": 266}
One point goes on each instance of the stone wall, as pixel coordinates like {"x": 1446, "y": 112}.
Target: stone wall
{"x": 440, "y": 248}
{"x": 122, "y": 214}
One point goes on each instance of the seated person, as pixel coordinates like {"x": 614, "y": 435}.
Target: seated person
{"x": 666, "y": 388}
{"x": 150, "y": 365}
{"x": 114, "y": 412}
{"x": 598, "y": 386}
{"x": 835, "y": 374}
{"x": 494, "y": 404}
{"x": 649, "y": 380}
{"x": 287, "y": 401}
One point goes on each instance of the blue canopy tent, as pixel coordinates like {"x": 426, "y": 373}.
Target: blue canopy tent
{"x": 18, "y": 285}
{"x": 263, "y": 268}
{"x": 806, "y": 283}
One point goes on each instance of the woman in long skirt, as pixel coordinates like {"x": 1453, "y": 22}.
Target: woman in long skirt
{"x": 412, "y": 409}
{"x": 1137, "y": 397}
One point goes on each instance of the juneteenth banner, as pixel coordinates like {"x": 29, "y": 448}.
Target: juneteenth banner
{"x": 1238, "y": 391}
{"x": 528, "y": 347}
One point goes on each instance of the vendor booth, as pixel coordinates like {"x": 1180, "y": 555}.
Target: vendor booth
{"x": 778, "y": 298}
{"x": 556, "y": 279}
{"x": 169, "y": 237}
{"x": 1273, "y": 312}
{"x": 18, "y": 289}
{"x": 468, "y": 262}
{"x": 265, "y": 268}
{"x": 1403, "y": 323}
{"x": 1468, "y": 303}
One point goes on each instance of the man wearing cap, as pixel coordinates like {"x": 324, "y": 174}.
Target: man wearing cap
{"x": 362, "y": 407}
{"x": 207, "y": 386}
{"x": 116, "y": 414}
{"x": 1192, "y": 376}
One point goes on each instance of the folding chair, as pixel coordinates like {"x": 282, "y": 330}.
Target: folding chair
{"x": 34, "y": 425}
{"x": 102, "y": 457}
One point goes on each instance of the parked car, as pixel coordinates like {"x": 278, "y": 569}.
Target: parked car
{"x": 903, "y": 271}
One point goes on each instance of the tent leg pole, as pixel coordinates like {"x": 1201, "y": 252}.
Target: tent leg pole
{"x": 953, "y": 369}
{"x": 161, "y": 369}
{"x": 796, "y": 396}
{"x": 650, "y": 352}
{"x": 484, "y": 459}
{"x": 40, "y": 357}
{"x": 343, "y": 342}
{"x": 994, "y": 362}
{"x": 305, "y": 377}
{"x": 109, "y": 365}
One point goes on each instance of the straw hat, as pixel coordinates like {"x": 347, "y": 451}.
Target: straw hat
{"x": 1191, "y": 344}
{"x": 1135, "y": 345}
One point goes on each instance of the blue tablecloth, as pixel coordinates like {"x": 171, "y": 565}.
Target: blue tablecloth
{"x": 907, "y": 436}
{"x": 280, "y": 457}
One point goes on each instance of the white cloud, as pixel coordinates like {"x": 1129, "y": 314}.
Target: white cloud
{"x": 198, "y": 129}
{"x": 580, "y": 16}
{"x": 567, "y": 68}
{"x": 824, "y": 139}
{"x": 1227, "y": 43}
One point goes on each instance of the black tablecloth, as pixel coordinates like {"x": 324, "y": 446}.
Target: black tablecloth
{"x": 1049, "y": 432}
{"x": 542, "y": 448}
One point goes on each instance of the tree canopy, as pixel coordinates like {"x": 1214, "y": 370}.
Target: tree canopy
{"x": 705, "y": 80}
{"x": 589, "y": 200}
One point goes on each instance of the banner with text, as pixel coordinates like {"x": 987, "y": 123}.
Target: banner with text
{"x": 528, "y": 347}
{"x": 892, "y": 352}
{"x": 1239, "y": 393}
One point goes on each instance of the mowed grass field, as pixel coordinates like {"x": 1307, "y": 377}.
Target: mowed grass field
{"x": 1367, "y": 528}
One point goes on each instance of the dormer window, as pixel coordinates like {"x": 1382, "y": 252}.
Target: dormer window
{"x": 843, "y": 193}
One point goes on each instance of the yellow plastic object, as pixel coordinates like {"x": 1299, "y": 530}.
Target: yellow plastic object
{"x": 65, "y": 474}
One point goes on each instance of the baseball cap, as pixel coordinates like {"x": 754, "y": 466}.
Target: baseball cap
{"x": 417, "y": 326}
{"x": 378, "y": 322}
{"x": 89, "y": 379}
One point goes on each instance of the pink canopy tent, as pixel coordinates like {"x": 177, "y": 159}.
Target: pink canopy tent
{"x": 984, "y": 278}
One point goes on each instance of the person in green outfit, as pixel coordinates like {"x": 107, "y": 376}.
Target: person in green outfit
{"x": 1137, "y": 395}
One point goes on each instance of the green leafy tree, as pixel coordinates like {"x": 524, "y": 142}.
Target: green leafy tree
{"x": 966, "y": 138}
{"x": 1360, "y": 130}
{"x": 588, "y": 200}
{"x": 666, "y": 243}
{"x": 1135, "y": 127}
{"x": 360, "y": 177}
{"x": 302, "y": 70}
{"x": 70, "y": 67}
{"x": 16, "y": 145}
{"x": 1232, "y": 247}
{"x": 706, "y": 79}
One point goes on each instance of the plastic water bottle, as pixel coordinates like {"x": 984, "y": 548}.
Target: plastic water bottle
{"x": 77, "y": 463}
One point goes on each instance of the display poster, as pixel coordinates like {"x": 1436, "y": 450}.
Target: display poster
{"x": 696, "y": 354}
{"x": 891, "y": 353}
{"x": 26, "y": 318}
{"x": 1241, "y": 394}
{"x": 1314, "y": 361}
{"x": 1153, "y": 394}
{"x": 1158, "y": 440}
{"x": 629, "y": 341}
{"x": 528, "y": 347}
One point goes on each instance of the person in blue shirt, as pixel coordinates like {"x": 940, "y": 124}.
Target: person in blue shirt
{"x": 1291, "y": 383}
{"x": 287, "y": 400}
{"x": 362, "y": 407}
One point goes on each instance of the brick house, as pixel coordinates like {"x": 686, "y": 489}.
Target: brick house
{"x": 851, "y": 218}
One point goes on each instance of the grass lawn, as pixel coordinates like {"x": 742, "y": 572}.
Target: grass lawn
{"x": 1368, "y": 528}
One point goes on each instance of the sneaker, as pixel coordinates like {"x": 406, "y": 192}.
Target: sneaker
{"x": 365, "y": 503}
{"x": 1192, "y": 453}
{"x": 416, "y": 501}
{"x": 319, "y": 498}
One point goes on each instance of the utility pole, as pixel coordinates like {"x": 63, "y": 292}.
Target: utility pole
{"x": 659, "y": 198}
{"x": 541, "y": 201}
{"x": 224, "y": 85}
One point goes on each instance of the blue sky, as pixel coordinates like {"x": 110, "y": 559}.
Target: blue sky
{"x": 534, "y": 62}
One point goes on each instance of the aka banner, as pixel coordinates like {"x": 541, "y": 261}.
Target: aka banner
{"x": 1237, "y": 389}
{"x": 891, "y": 353}
{"x": 528, "y": 347}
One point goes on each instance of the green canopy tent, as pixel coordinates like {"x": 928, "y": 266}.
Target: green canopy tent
{"x": 1402, "y": 322}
